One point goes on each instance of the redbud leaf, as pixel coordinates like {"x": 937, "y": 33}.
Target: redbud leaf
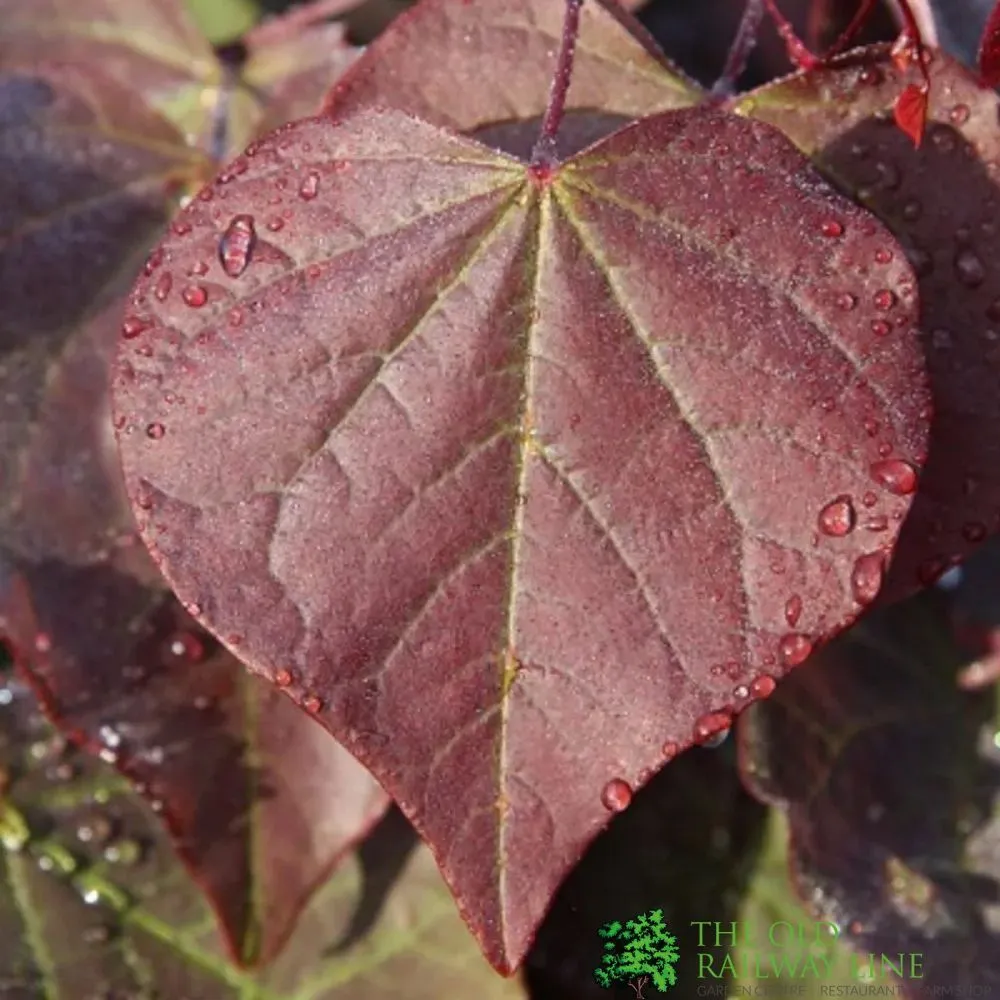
{"x": 989, "y": 50}
{"x": 942, "y": 202}
{"x": 481, "y": 67}
{"x": 516, "y": 480}
{"x": 901, "y": 866}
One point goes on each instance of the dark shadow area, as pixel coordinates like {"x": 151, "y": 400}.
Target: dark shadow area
{"x": 383, "y": 855}
{"x": 890, "y": 779}
{"x": 685, "y": 845}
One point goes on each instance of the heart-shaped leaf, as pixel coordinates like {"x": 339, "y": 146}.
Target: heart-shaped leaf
{"x": 943, "y": 203}
{"x": 474, "y": 459}
{"x": 483, "y": 67}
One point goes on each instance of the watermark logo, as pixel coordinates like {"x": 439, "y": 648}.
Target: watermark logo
{"x": 639, "y": 952}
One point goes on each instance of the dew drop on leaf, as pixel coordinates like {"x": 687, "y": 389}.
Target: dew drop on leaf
{"x": 969, "y": 268}
{"x": 866, "y": 577}
{"x": 883, "y": 255}
{"x": 312, "y": 704}
{"x": 832, "y": 228}
{"x": 155, "y": 431}
{"x": 669, "y": 750}
{"x": 794, "y": 649}
{"x": 846, "y": 301}
{"x": 884, "y": 299}
{"x": 741, "y": 692}
{"x": 133, "y": 326}
{"x": 163, "y": 285}
{"x": 275, "y": 223}
{"x": 837, "y": 518}
{"x": 283, "y": 678}
{"x": 309, "y": 187}
{"x": 711, "y": 725}
{"x": 763, "y": 686}
{"x": 959, "y": 114}
{"x": 793, "y": 610}
{"x": 195, "y": 296}
{"x": 616, "y": 795}
{"x": 895, "y": 475}
{"x": 236, "y": 245}
{"x": 880, "y": 328}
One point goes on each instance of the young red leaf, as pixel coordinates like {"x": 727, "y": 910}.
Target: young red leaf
{"x": 910, "y": 111}
{"x": 989, "y": 50}
{"x": 942, "y": 201}
{"x": 868, "y": 751}
{"x": 483, "y": 463}
{"x": 484, "y": 67}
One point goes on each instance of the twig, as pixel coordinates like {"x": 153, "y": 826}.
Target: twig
{"x": 543, "y": 155}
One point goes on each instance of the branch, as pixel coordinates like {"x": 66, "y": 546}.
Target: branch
{"x": 739, "y": 51}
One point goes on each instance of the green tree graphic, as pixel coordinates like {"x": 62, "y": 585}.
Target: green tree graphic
{"x": 640, "y": 951}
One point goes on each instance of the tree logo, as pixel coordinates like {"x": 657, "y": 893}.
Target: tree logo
{"x": 641, "y": 950}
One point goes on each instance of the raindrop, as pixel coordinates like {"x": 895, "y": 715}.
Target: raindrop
{"x": 283, "y": 678}
{"x": 741, "y": 692}
{"x": 793, "y": 610}
{"x": 236, "y": 245}
{"x": 832, "y": 228}
{"x": 616, "y": 795}
{"x": 198, "y": 268}
{"x": 846, "y": 301}
{"x": 133, "y": 326}
{"x": 866, "y": 577}
{"x": 884, "y": 299}
{"x": 794, "y": 649}
{"x": 959, "y": 114}
{"x": 969, "y": 268}
{"x": 711, "y": 725}
{"x": 195, "y": 296}
{"x": 155, "y": 431}
{"x": 275, "y": 223}
{"x": 880, "y": 328}
{"x": 310, "y": 186}
{"x": 870, "y": 76}
{"x": 883, "y": 256}
{"x": 878, "y": 523}
{"x": 180, "y": 227}
{"x": 669, "y": 750}
{"x": 837, "y": 518}
{"x": 895, "y": 475}
{"x": 163, "y": 285}
{"x": 312, "y": 704}
{"x": 763, "y": 686}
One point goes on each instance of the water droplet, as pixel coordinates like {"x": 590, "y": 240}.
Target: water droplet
{"x": 895, "y": 475}
{"x": 711, "y": 724}
{"x": 866, "y": 577}
{"x": 884, "y": 299}
{"x": 309, "y": 187}
{"x": 237, "y": 244}
{"x": 195, "y": 296}
{"x": 846, "y": 301}
{"x": 616, "y": 795}
{"x": 969, "y": 268}
{"x": 163, "y": 285}
{"x": 275, "y": 223}
{"x": 187, "y": 646}
{"x": 959, "y": 114}
{"x": 763, "y": 686}
{"x": 133, "y": 326}
{"x": 180, "y": 227}
{"x": 883, "y": 256}
{"x": 794, "y": 649}
{"x": 741, "y": 692}
{"x": 974, "y": 531}
{"x": 312, "y": 704}
{"x": 838, "y": 518}
{"x": 669, "y": 750}
{"x": 870, "y": 76}
{"x": 283, "y": 678}
{"x": 832, "y": 228}
{"x": 878, "y": 523}
{"x": 155, "y": 431}
{"x": 793, "y": 610}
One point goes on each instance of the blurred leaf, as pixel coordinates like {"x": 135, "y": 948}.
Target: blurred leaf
{"x": 96, "y": 905}
{"x": 483, "y": 67}
{"x": 222, "y": 21}
{"x": 942, "y": 201}
{"x": 889, "y": 774}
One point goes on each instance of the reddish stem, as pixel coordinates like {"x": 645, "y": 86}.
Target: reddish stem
{"x": 798, "y": 52}
{"x": 543, "y": 155}
{"x": 743, "y": 45}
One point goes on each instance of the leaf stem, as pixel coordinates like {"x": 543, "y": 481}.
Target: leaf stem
{"x": 544, "y": 153}
{"x": 743, "y": 45}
